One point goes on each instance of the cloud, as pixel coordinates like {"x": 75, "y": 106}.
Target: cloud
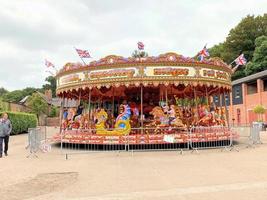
{"x": 31, "y": 31}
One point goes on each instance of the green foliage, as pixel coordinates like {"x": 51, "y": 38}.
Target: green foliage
{"x": 185, "y": 102}
{"x": 139, "y": 54}
{"x": 17, "y": 95}
{"x": 3, "y": 105}
{"x": 21, "y": 121}
{"x": 243, "y": 39}
{"x": 52, "y": 85}
{"x": 259, "y": 61}
{"x": 54, "y": 112}
{"x": 3, "y": 91}
{"x": 259, "y": 109}
{"x": 37, "y": 104}
{"x": 14, "y": 96}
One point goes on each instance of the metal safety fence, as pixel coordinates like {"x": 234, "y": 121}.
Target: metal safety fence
{"x": 149, "y": 139}
{"x": 37, "y": 141}
{"x": 211, "y": 137}
{"x": 249, "y": 135}
{"x": 159, "y": 139}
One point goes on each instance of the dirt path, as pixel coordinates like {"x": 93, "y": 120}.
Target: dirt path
{"x": 148, "y": 175}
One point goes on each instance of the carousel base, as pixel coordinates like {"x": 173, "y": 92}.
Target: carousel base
{"x": 136, "y": 141}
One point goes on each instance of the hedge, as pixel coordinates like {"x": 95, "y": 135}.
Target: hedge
{"x": 21, "y": 121}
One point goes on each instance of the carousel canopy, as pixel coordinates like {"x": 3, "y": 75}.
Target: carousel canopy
{"x": 165, "y": 69}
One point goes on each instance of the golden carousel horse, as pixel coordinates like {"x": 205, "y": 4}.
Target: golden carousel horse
{"x": 122, "y": 125}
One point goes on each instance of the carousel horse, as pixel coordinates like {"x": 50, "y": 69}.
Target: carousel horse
{"x": 122, "y": 124}
{"x": 162, "y": 120}
{"x": 206, "y": 118}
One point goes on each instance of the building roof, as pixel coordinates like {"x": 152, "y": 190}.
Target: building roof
{"x": 54, "y": 101}
{"x": 22, "y": 101}
{"x": 250, "y": 78}
{"x": 68, "y": 104}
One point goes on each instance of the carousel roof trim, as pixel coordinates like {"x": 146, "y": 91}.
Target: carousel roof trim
{"x": 170, "y": 58}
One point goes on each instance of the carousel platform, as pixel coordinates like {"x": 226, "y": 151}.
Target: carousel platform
{"x": 183, "y": 137}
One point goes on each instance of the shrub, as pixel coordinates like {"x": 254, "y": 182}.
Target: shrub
{"x": 54, "y": 112}
{"x": 21, "y": 121}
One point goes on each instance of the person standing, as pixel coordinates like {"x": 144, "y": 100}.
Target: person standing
{"x": 5, "y": 130}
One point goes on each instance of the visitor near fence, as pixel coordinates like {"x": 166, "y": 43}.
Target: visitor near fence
{"x": 5, "y": 130}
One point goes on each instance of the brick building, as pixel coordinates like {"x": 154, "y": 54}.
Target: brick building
{"x": 246, "y": 93}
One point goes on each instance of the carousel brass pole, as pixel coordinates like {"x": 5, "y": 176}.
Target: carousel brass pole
{"x": 196, "y": 104}
{"x": 142, "y": 117}
{"x": 166, "y": 95}
{"x": 220, "y": 98}
{"x": 226, "y": 111}
{"x": 89, "y": 106}
{"x": 60, "y": 121}
{"x": 112, "y": 109}
{"x": 207, "y": 96}
{"x": 79, "y": 98}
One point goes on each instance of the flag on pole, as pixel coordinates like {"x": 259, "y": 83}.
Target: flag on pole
{"x": 203, "y": 53}
{"x": 140, "y": 45}
{"x": 52, "y": 74}
{"x": 241, "y": 60}
{"x": 49, "y": 64}
{"x": 83, "y": 53}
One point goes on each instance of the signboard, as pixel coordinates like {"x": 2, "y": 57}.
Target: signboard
{"x": 113, "y": 73}
{"x": 216, "y": 74}
{"x": 174, "y": 71}
{"x": 72, "y": 78}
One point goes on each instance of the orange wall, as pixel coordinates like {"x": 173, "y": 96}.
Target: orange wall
{"x": 246, "y": 109}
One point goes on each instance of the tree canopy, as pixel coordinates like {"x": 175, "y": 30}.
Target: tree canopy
{"x": 248, "y": 37}
{"x": 51, "y": 85}
{"x": 37, "y": 104}
{"x": 17, "y": 95}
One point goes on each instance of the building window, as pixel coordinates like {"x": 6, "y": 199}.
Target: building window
{"x": 237, "y": 93}
{"x": 252, "y": 87}
{"x": 265, "y": 85}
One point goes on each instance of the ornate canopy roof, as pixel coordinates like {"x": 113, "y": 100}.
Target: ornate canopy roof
{"x": 165, "y": 69}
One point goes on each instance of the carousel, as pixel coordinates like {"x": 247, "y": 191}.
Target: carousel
{"x": 141, "y": 100}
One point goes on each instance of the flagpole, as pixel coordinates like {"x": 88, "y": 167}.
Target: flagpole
{"x": 232, "y": 62}
{"x": 79, "y": 56}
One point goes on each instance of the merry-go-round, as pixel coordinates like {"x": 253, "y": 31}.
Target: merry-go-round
{"x": 144, "y": 100}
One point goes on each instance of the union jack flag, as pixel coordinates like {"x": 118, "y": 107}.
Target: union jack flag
{"x": 140, "y": 45}
{"x": 83, "y": 53}
{"x": 49, "y": 64}
{"x": 241, "y": 60}
{"x": 203, "y": 53}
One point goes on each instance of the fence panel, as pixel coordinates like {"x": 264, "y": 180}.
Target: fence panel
{"x": 211, "y": 137}
{"x": 36, "y": 138}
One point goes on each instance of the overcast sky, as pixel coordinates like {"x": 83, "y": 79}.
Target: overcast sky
{"x": 33, "y": 30}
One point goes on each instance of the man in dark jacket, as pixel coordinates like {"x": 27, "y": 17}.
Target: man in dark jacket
{"x": 5, "y": 130}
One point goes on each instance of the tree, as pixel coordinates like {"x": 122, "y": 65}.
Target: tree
{"x": 139, "y": 54}
{"x": 259, "y": 61}
{"x": 37, "y": 104}
{"x": 52, "y": 85}
{"x": 17, "y": 95}
{"x": 14, "y": 96}
{"x": 241, "y": 39}
{"x": 259, "y": 110}
{"x": 3, "y": 91}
